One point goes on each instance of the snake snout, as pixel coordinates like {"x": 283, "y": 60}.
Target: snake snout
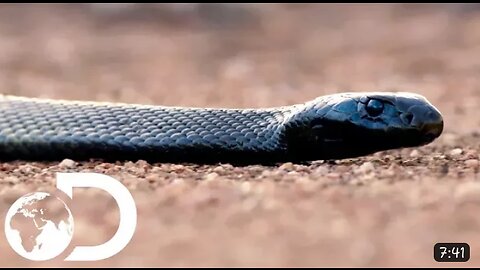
{"x": 431, "y": 131}
{"x": 431, "y": 125}
{"x": 426, "y": 120}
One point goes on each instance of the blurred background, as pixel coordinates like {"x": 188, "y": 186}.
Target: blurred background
{"x": 389, "y": 212}
{"x": 242, "y": 55}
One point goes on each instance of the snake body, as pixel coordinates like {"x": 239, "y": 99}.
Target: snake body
{"x": 335, "y": 126}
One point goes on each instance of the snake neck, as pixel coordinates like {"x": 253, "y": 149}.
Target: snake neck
{"x": 239, "y": 133}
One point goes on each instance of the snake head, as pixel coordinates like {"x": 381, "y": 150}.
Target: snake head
{"x": 353, "y": 124}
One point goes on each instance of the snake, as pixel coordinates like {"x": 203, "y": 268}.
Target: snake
{"x": 329, "y": 127}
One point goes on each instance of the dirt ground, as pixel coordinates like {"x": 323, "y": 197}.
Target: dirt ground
{"x": 386, "y": 209}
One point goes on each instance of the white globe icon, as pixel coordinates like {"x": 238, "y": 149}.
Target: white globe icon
{"x": 39, "y": 226}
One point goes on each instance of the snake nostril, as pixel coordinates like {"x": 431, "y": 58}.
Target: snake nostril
{"x": 408, "y": 118}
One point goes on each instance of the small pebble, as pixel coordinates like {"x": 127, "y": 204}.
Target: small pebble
{"x": 456, "y": 152}
{"x": 104, "y": 166}
{"x": 286, "y": 166}
{"x": 142, "y": 163}
{"x": 293, "y": 173}
{"x": 129, "y": 164}
{"x": 152, "y": 178}
{"x": 321, "y": 170}
{"x": 300, "y": 168}
{"x": 177, "y": 168}
{"x": 27, "y": 168}
{"x": 414, "y": 153}
{"x": 333, "y": 175}
{"x": 366, "y": 168}
{"x": 218, "y": 169}
{"x": 67, "y": 164}
{"x": 227, "y": 166}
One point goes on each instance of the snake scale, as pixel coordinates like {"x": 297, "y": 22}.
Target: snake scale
{"x": 335, "y": 126}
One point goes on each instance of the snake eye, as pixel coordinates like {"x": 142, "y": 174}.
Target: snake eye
{"x": 374, "y": 107}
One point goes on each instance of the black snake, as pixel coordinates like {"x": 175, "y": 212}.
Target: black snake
{"x": 336, "y": 126}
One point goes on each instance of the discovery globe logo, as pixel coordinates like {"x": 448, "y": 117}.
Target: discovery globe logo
{"x": 40, "y": 226}
{"x": 38, "y": 233}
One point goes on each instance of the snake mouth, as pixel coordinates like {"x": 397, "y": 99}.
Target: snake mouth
{"x": 432, "y": 131}
{"x": 350, "y": 141}
{"x": 430, "y": 136}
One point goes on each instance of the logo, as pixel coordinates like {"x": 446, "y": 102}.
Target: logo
{"x": 40, "y": 226}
